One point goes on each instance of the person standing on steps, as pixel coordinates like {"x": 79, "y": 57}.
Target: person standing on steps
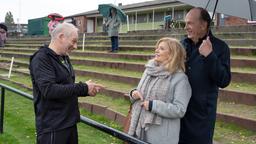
{"x": 207, "y": 68}
{"x": 167, "y": 22}
{"x": 113, "y": 25}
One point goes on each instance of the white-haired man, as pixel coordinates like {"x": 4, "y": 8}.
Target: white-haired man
{"x": 54, "y": 88}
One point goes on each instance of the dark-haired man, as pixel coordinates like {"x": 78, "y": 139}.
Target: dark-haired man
{"x": 208, "y": 68}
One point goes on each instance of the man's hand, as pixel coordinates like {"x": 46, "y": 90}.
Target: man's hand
{"x": 137, "y": 95}
{"x": 206, "y": 47}
{"x": 93, "y": 88}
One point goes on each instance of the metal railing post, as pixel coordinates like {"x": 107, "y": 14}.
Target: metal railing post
{"x": 2, "y": 111}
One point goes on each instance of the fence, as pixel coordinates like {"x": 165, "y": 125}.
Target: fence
{"x": 116, "y": 133}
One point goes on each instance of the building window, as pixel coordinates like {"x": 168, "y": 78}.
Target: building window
{"x": 131, "y": 19}
{"x": 179, "y": 15}
{"x": 150, "y": 17}
{"x": 159, "y": 16}
{"x": 99, "y": 21}
{"x": 142, "y": 18}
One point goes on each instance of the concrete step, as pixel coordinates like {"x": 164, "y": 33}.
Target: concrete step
{"x": 244, "y": 51}
{"x": 247, "y": 123}
{"x": 235, "y": 61}
{"x": 90, "y": 47}
{"x": 238, "y": 120}
{"x": 230, "y": 42}
{"x": 149, "y": 35}
{"x": 237, "y": 97}
{"x": 228, "y": 95}
{"x": 241, "y": 62}
{"x": 241, "y": 28}
{"x": 142, "y": 40}
{"x": 241, "y": 42}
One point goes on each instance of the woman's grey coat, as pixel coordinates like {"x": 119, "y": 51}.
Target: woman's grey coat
{"x": 113, "y": 25}
{"x": 170, "y": 95}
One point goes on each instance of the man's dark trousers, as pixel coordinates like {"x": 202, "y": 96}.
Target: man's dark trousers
{"x": 65, "y": 136}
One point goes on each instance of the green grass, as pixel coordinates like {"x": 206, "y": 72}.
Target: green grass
{"x": 26, "y": 80}
{"x": 8, "y": 60}
{"x": 251, "y": 70}
{"x": 23, "y": 44}
{"x": 123, "y": 87}
{"x": 15, "y": 52}
{"x": 124, "y": 60}
{"x": 149, "y": 52}
{"x": 13, "y": 49}
{"x": 249, "y": 57}
{"x": 140, "y": 26}
{"x": 117, "y": 104}
{"x": 17, "y": 77}
{"x": 103, "y": 59}
{"x": 19, "y": 126}
{"x": 243, "y": 87}
{"x": 120, "y": 40}
{"x": 109, "y": 70}
{"x": 19, "y": 120}
{"x": 244, "y": 111}
{"x": 224, "y": 133}
{"x": 231, "y": 134}
{"x": 25, "y": 60}
{"x": 89, "y": 135}
{"x": 234, "y": 46}
{"x": 121, "y": 105}
{"x": 24, "y": 132}
{"x": 101, "y": 45}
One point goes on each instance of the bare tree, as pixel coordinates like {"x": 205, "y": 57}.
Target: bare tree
{"x": 9, "y": 18}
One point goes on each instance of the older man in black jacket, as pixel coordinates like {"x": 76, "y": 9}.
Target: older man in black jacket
{"x": 54, "y": 88}
{"x": 208, "y": 68}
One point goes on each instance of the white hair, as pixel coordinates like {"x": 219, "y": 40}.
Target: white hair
{"x": 65, "y": 28}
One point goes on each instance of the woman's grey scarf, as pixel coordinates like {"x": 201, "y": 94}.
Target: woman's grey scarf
{"x": 154, "y": 85}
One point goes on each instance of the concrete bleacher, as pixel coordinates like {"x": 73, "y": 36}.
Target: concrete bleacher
{"x": 121, "y": 71}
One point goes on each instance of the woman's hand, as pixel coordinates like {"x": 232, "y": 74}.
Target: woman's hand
{"x": 137, "y": 95}
{"x": 145, "y": 105}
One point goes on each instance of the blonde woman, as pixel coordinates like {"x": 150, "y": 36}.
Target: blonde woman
{"x": 162, "y": 95}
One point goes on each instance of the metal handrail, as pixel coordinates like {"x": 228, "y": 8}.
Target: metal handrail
{"x": 116, "y": 133}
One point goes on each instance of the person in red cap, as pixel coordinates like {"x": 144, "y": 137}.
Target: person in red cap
{"x": 52, "y": 24}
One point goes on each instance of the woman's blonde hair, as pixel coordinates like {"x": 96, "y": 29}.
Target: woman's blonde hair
{"x": 176, "y": 61}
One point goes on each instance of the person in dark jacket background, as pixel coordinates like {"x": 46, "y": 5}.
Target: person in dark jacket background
{"x": 54, "y": 88}
{"x": 208, "y": 68}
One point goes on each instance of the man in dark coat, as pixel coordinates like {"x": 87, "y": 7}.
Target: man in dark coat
{"x": 208, "y": 68}
{"x": 54, "y": 88}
